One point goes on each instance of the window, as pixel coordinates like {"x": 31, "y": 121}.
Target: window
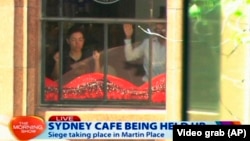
{"x": 202, "y": 56}
{"x": 122, "y": 81}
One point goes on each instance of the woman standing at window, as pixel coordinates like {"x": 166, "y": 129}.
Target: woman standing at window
{"x": 75, "y": 53}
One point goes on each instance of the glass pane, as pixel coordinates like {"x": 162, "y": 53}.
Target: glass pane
{"x": 51, "y": 45}
{"x": 69, "y": 49}
{"x": 50, "y": 8}
{"x": 132, "y": 60}
{"x": 204, "y": 55}
{"x": 105, "y": 9}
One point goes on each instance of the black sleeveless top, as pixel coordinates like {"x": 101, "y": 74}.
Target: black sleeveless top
{"x": 68, "y": 61}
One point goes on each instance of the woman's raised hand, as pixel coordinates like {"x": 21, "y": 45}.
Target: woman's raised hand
{"x": 128, "y": 30}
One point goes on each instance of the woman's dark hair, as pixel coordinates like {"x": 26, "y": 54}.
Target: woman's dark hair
{"x": 74, "y": 29}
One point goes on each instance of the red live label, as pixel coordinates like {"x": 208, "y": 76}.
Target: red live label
{"x": 64, "y": 118}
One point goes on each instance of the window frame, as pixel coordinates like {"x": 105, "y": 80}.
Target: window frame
{"x": 105, "y": 22}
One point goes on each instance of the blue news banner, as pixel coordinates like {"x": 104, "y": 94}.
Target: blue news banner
{"x": 111, "y": 130}
{"x": 207, "y": 131}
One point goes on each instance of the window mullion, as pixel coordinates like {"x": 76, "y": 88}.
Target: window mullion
{"x": 43, "y": 51}
{"x": 61, "y": 60}
{"x": 105, "y": 61}
{"x": 151, "y": 9}
{"x": 104, "y": 20}
{"x": 150, "y": 70}
{"x": 60, "y": 8}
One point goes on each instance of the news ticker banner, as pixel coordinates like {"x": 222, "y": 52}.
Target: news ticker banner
{"x": 72, "y": 127}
